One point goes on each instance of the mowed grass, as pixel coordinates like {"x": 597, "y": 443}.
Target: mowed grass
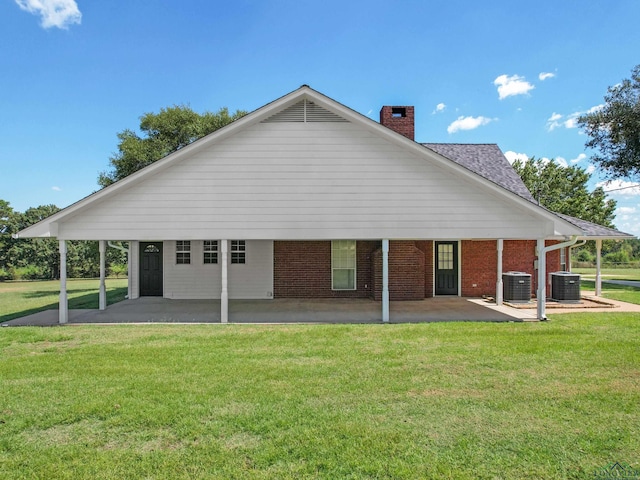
{"x": 623, "y": 293}
{"x": 554, "y": 399}
{"x": 19, "y": 299}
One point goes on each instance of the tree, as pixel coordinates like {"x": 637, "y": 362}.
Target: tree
{"x": 164, "y": 133}
{"x": 614, "y": 130}
{"x": 564, "y": 190}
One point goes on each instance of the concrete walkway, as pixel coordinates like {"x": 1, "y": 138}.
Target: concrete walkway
{"x": 440, "y": 309}
{"x": 163, "y": 310}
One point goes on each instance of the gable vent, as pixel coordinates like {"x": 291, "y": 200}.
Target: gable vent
{"x": 304, "y": 111}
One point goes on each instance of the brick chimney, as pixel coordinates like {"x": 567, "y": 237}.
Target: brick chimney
{"x": 399, "y": 119}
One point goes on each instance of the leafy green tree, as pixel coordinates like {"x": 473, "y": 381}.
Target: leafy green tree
{"x": 163, "y": 133}
{"x": 564, "y": 190}
{"x": 614, "y": 130}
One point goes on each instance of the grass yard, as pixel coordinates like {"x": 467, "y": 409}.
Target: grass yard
{"x": 555, "y": 399}
{"x": 622, "y": 293}
{"x": 19, "y": 299}
{"x": 610, "y": 273}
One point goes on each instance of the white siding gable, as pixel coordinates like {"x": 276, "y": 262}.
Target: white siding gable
{"x": 324, "y": 180}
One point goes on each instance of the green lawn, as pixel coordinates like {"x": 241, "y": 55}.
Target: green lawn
{"x": 622, "y": 293}
{"x": 610, "y": 273}
{"x": 554, "y": 399}
{"x": 18, "y": 299}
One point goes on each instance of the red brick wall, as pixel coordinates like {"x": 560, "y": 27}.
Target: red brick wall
{"x": 479, "y": 267}
{"x": 479, "y": 264}
{"x": 406, "y": 271}
{"x": 426, "y": 247}
{"x": 303, "y": 270}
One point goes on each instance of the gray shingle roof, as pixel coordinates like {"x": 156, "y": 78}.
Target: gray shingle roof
{"x": 488, "y": 161}
{"x": 593, "y": 229}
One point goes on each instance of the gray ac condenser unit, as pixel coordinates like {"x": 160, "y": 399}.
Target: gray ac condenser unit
{"x": 516, "y": 287}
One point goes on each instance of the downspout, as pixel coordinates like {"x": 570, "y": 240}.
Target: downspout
{"x": 542, "y": 272}
{"x": 117, "y": 247}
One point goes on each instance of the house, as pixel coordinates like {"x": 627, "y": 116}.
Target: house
{"x": 307, "y": 198}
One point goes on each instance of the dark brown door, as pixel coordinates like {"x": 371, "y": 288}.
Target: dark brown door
{"x": 446, "y": 268}
{"x": 151, "y": 269}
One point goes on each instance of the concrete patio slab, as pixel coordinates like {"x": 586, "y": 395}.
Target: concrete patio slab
{"x": 163, "y": 310}
{"x": 439, "y": 309}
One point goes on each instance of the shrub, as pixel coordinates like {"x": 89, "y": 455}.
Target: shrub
{"x": 118, "y": 270}
{"x": 30, "y": 272}
{"x": 5, "y": 275}
{"x": 617, "y": 257}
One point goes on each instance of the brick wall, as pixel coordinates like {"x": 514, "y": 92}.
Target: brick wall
{"x": 303, "y": 270}
{"x": 406, "y": 271}
{"x": 426, "y": 247}
{"x": 479, "y": 264}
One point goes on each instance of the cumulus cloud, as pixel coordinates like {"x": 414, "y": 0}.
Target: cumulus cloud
{"x": 509, "y": 86}
{"x": 545, "y": 75}
{"x": 557, "y": 120}
{"x": 513, "y": 156}
{"x": 562, "y": 162}
{"x": 53, "y": 13}
{"x": 439, "y": 108}
{"x": 467, "y": 123}
{"x": 578, "y": 159}
{"x": 620, "y": 187}
{"x": 591, "y": 169}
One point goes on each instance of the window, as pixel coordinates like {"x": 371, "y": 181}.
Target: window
{"x": 445, "y": 256}
{"x": 238, "y": 251}
{"x": 563, "y": 260}
{"x": 343, "y": 265}
{"x": 183, "y": 252}
{"x": 210, "y": 251}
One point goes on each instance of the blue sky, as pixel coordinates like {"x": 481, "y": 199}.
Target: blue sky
{"x": 74, "y": 73}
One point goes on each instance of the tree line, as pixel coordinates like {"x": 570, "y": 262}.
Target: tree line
{"x": 613, "y": 131}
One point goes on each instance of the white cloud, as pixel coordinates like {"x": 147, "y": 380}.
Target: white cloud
{"x": 513, "y": 156}
{"x": 626, "y": 210}
{"x": 591, "y": 169}
{"x": 509, "y": 86}
{"x": 578, "y": 159}
{"x": 53, "y": 13}
{"x": 557, "y": 120}
{"x": 620, "y": 188}
{"x": 439, "y": 108}
{"x": 544, "y": 75}
{"x": 562, "y": 162}
{"x": 56, "y": 189}
{"x": 467, "y": 123}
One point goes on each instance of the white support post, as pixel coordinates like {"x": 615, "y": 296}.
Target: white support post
{"x": 224, "y": 296}
{"x": 542, "y": 280}
{"x": 63, "y": 316}
{"x": 102, "y": 297}
{"x": 385, "y": 280}
{"x": 598, "y": 267}
{"x": 499, "y": 287}
{"x": 129, "y": 270}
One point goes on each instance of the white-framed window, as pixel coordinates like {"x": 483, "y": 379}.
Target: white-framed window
{"x": 210, "y": 251}
{"x": 183, "y": 252}
{"x": 563, "y": 260}
{"x": 343, "y": 264}
{"x": 238, "y": 251}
